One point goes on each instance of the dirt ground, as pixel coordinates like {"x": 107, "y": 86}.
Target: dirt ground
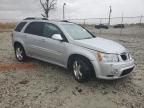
{"x": 36, "y": 84}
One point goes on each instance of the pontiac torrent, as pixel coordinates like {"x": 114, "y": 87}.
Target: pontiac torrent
{"x": 73, "y": 47}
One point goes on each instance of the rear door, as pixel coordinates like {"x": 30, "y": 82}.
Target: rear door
{"x": 34, "y": 39}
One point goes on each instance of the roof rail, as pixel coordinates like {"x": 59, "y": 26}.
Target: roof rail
{"x": 34, "y": 18}
{"x": 65, "y": 21}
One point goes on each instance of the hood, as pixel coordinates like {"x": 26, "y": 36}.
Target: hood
{"x": 102, "y": 45}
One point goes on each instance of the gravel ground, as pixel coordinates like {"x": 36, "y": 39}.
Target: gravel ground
{"x": 49, "y": 86}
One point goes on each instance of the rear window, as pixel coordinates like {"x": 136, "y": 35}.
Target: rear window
{"x": 20, "y": 26}
{"x": 35, "y": 28}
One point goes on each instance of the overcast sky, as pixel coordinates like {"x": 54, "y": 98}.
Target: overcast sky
{"x": 11, "y": 9}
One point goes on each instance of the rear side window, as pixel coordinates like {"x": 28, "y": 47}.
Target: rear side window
{"x": 20, "y": 26}
{"x": 35, "y": 28}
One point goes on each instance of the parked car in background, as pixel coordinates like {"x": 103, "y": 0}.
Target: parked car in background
{"x": 101, "y": 26}
{"x": 73, "y": 47}
{"x": 119, "y": 26}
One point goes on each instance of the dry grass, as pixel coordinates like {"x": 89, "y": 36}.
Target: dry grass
{"x": 4, "y": 26}
{"x": 8, "y": 67}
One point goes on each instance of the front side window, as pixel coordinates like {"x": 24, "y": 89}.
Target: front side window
{"x": 35, "y": 28}
{"x": 77, "y": 32}
{"x": 50, "y": 29}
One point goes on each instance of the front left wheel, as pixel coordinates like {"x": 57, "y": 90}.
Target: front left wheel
{"x": 20, "y": 53}
{"x": 80, "y": 69}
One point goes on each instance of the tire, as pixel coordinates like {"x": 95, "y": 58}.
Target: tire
{"x": 80, "y": 69}
{"x": 20, "y": 53}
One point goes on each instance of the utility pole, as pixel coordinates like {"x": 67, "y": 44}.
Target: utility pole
{"x": 100, "y": 31}
{"x": 64, "y": 11}
{"x": 121, "y": 25}
{"x": 141, "y": 19}
{"x": 109, "y": 16}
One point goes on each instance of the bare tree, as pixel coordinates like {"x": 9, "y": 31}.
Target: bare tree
{"x": 110, "y": 16}
{"x": 47, "y": 6}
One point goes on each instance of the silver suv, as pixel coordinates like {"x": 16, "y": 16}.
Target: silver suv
{"x": 71, "y": 46}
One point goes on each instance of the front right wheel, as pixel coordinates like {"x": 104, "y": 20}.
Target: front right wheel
{"x": 80, "y": 69}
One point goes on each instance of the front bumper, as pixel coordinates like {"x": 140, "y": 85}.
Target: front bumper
{"x": 113, "y": 70}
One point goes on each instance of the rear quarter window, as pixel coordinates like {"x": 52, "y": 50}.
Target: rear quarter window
{"x": 20, "y": 26}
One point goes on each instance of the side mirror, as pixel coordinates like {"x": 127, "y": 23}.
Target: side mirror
{"x": 57, "y": 37}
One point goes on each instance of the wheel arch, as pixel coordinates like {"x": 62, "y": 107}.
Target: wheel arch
{"x": 17, "y": 43}
{"x": 71, "y": 58}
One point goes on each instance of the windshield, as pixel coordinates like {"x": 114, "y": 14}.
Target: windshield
{"x": 77, "y": 32}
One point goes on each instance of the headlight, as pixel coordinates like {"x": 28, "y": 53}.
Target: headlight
{"x": 103, "y": 57}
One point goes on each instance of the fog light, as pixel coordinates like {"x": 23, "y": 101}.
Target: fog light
{"x": 115, "y": 71}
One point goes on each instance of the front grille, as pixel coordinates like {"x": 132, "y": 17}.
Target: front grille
{"x": 127, "y": 71}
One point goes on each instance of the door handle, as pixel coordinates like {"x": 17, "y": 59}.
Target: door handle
{"x": 25, "y": 36}
{"x": 43, "y": 40}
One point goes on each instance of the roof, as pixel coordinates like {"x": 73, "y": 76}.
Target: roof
{"x": 46, "y": 20}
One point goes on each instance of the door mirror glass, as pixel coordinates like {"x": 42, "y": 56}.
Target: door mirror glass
{"x": 57, "y": 37}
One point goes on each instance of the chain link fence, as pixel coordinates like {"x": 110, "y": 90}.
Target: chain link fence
{"x": 113, "y": 20}
{"x": 118, "y": 25}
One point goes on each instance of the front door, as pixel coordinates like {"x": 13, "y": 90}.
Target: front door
{"x": 54, "y": 50}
